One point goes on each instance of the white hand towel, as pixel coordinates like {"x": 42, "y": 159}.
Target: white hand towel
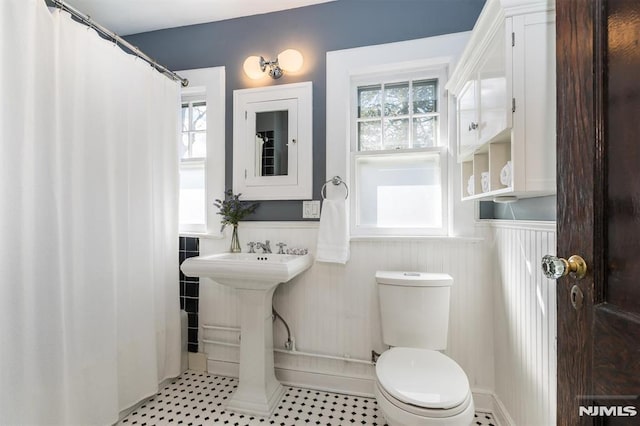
{"x": 505, "y": 174}
{"x": 333, "y": 239}
{"x": 484, "y": 181}
{"x": 470, "y": 186}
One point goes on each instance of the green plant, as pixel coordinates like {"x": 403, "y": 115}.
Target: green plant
{"x": 232, "y": 209}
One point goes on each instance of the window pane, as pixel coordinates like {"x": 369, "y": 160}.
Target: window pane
{"x": 185, "y": 117}
{"x": 425, "y": 132}
{"x": 369, "y": 135}
{"x": 425, "y": 96}
{"x": 399, "y": 191}
{"x": 192, "y": 195}
{"x": 199, "y": 145}
{"x": 369, "y": 101}
{"x": 199, "y": 116}
{"x": 396, "y": 99}
{"x": 396, "y": 133}
{"x": 183, "y": 149}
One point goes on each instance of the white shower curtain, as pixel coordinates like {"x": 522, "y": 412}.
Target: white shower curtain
{"x": 89, "y": 308}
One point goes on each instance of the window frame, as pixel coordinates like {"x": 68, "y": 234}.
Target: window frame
{"x": 196, "y": 95}
{"x": 390, "y": 76}
{"x": 208, "y": 84}
{"x": 191, "y": 100}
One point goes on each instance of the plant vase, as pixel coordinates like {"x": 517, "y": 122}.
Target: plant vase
{"x": 235, "y": 242}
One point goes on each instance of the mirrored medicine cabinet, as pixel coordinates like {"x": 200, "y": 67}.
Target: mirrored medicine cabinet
{"x": 272, "y": 142}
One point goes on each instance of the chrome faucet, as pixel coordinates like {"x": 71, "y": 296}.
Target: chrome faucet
{"x": 251, "y": 247}
{"x": 266, "y": 248}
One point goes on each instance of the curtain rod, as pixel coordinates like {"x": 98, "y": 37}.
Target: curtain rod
{"x": 86, "y": 19}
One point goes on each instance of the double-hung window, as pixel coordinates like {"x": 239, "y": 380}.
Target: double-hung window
{"x": 201, "y": 151}
{"x": 193, "y": 153}
{"x": 399, "y": 154}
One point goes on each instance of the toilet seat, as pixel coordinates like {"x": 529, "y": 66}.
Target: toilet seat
{"x": 422, "y": 378}
{"x": 461, "y": 411}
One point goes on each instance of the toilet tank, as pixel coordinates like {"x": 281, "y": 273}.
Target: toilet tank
{"x": 414, "y": 308}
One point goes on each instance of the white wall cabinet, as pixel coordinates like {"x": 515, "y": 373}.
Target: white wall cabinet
{"x": 504, "y": 85}
{"x": 273, "y": 142}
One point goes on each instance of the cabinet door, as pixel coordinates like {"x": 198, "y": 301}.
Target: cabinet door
{"x": 467, "y": 118}
{"x": 495, "y": 102}
{"x": 534, "y": 88}
{"x": 271, "y": 128}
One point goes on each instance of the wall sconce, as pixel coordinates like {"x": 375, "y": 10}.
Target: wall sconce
{"x": 289, "y": 60}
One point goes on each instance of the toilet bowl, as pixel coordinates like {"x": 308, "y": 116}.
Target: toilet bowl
{"x": 416, "y": 384}
{"x": 416, "y": 387}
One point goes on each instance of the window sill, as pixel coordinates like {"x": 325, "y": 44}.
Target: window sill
{"x": 425, "y": 238}
{"x": 206, "y": 235}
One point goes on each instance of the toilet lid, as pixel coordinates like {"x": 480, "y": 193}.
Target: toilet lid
{"x": 422, "y": 377}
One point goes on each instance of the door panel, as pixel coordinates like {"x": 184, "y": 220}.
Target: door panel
{"x": 598, "y": 50}
{"x": 612, "y": 368}
{"x": 623, "y": 165}
{"x": 576, "y": 224}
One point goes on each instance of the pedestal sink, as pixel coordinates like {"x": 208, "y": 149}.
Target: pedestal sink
{"x": 255, "y": 278}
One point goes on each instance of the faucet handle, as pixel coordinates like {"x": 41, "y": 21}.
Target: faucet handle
{"x": 251, "y": 247}
{"x": 281, "y": 247}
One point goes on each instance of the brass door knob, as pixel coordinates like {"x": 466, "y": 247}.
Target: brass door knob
{"x": 556, "y": 267}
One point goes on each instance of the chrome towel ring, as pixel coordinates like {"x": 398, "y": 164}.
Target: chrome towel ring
{"x": 336, "y": 180}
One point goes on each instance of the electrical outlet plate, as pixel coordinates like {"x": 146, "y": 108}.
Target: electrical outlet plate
{"x": 311, "y": 209}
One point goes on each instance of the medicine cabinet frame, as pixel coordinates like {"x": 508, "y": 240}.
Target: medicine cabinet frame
{"x": 248, "y": 172}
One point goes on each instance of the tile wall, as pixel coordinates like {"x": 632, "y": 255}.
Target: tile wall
{"x": 189, "y": 290}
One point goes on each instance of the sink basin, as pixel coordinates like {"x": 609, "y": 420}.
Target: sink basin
{"x": 255, "y": 278}
{"x": 247, "y": 270}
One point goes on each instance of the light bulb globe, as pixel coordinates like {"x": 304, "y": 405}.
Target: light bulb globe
{"x": 290, "y": 60}
{"x": 252, "y": 68}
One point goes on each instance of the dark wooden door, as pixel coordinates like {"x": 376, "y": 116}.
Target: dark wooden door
{"x": 598, "y": 82}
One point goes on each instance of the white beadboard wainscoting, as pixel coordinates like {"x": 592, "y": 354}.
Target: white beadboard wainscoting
{"x": 524, "y": 323}
{"x": 333, "y": 309}
{"x": 502, "y": 320}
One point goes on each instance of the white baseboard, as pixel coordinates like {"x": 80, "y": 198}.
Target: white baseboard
{"x": 501, "y": 414}
{"x": 487, "y": 401}
{"x": 197, "y": 361}
{"x": 223, "y": 368}
{"x": 483, "y": 400}
{"x": 326, "y": 382}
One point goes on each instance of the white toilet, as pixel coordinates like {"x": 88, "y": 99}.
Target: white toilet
{"x": 415, "y": 384}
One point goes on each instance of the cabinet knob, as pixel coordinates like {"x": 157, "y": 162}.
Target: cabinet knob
{"x": 473, "y": 126}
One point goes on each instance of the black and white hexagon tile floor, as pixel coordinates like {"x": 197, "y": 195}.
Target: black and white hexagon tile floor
{"x": 197, "y": 398}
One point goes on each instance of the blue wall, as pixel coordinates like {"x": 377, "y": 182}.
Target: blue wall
{"x": 538, "y": 208}
{"x": 313, "y": 30}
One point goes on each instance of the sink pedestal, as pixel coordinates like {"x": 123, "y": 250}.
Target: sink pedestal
{"x": 258, "y": 391}
{"x": 255, "y": 277}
